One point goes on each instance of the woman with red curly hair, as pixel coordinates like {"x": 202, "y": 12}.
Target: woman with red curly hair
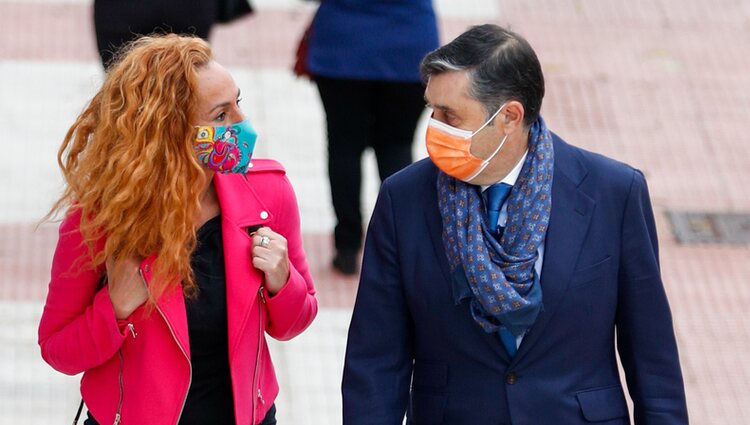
{"x": 177, "y": 254}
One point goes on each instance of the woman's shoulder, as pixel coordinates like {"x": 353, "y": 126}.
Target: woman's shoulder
{"x": 265, "y": 165}
{"x": 268, "y": 178}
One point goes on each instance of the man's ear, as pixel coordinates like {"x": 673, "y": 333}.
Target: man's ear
{"x": 512, "y": 116}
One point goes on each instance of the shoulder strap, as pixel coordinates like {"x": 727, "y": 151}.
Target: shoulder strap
{"x": 78, "y": 414}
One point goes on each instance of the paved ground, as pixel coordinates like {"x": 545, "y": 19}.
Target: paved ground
{"x": 661, "y": 84}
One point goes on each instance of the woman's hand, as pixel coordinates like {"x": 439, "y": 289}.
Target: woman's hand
{"x": 270, "y": 255}
{"x": 126, "y": 287}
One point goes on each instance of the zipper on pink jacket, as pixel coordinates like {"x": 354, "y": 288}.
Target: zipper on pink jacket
{"x": 190, "y": 380}
{"x": 118, "y": 414}
{"x": 122, "y": 388}
{"x": 256, "y": 383}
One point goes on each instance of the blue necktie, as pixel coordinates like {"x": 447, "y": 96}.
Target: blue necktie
{"x": 496, "y": 196}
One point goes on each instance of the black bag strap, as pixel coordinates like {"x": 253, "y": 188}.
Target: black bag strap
{"x": 100, "y": 285}
{"x": 78, "y": 414}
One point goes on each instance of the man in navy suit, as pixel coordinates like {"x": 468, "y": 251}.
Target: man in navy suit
{"x": 499, "y": 273}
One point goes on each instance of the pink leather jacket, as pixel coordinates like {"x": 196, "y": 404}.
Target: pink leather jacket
{"x": 137, "y": 371}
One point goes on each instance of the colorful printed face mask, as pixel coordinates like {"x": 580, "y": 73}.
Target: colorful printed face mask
{"x": 226, "y": 149}
{"x": 450, "y": 149}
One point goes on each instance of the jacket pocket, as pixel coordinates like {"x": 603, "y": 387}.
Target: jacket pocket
{"x": 426, "y": 409}
{"x": 592, "y": 273}
{"x": 430, "y": 375}
{"x": 429, "y": 380}
{"x": 602, "y": 404}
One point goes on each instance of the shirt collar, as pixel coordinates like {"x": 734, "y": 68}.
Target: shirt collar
{"x": 511, "y": 177}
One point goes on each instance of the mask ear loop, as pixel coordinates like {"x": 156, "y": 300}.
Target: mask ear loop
{"x": 486, "y": 162}
{"x": 486, "y": 123}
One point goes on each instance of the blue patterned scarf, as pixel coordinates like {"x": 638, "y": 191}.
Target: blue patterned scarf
{"x": 501, "y": 273}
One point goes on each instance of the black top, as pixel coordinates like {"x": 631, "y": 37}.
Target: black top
{"x": 209, "y": 399}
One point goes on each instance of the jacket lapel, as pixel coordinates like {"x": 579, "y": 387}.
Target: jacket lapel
{"x": 435, "y": 224}
{"x": 171, "y": 305}
{"x": 569, "y": 222}
{"x": 242, "y": 212}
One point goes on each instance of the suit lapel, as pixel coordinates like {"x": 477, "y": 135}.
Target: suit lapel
{"x": 435, "y": 224}
{"x": 242, "y": 211}
{"x": 570, "y": 217}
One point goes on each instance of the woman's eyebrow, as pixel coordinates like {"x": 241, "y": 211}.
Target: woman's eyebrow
{"x": 224, "y": 104}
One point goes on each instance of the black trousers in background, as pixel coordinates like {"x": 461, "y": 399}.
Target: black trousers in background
{"x": 360, "y": 114}
{"x": 118, "y": 21}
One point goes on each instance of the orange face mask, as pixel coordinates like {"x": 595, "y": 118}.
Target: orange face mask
{"x": 450, "y": 149}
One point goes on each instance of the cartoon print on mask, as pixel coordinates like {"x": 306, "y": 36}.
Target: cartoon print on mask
{"x": 226, "y": 149}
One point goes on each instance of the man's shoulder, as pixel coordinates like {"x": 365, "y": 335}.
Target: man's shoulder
{"x": 414, "y": 176}
{"x": 414, "y": 184}
{"x": 584, "y": 165}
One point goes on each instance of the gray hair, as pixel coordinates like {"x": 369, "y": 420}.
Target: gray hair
{"x": 501, "y": 66}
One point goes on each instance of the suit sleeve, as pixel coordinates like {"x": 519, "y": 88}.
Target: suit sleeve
{"x": 646, "y": 340}
{"x": 293, "y": 308}
{"x": 78, "y": 329}
{"x": 379, "y": 356}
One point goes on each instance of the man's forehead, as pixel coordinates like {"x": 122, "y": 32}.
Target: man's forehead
{"x": 448, "y": 87}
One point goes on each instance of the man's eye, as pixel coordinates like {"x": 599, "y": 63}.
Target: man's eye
{"x": 221, "y": 116}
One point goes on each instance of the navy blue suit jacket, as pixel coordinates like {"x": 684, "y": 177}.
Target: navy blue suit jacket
{"x": 414, "y": 348}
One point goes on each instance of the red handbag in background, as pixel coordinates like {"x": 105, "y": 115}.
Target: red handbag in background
{"x": 300, "y": 63}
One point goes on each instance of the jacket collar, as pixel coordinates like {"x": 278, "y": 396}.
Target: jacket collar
{"x": 569, "y": 221}
{"x": 239, "y": 202}
{"x": 572, "y": 210}
{"x": 243, "y": 212}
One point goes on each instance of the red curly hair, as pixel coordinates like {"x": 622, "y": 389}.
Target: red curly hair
{"x": 129, "y": 164}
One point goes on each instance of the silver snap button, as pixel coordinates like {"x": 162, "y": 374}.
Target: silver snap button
{"x": 263, "y": 215}
{"x": 249, "y": 165}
